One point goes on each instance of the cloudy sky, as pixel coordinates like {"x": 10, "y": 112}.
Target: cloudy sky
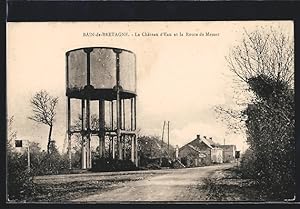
{"x": 180, "y": 78}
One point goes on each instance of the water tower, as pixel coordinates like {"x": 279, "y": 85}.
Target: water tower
{"x": 105, "y": 77}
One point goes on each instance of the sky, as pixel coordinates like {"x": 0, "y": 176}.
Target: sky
{"x": 180, "y": 78}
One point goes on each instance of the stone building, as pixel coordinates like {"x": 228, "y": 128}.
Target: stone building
{"x": 200, "y": 152}
{"x": 228, "y": 153}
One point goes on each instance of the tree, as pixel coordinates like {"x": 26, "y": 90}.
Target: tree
{"x": 266, "y": 52}
{"x": 264, "y": 62}
{"x": 152, "y": 147}
{"x": 44, "y": 111}
{"x": 11, "y": 133}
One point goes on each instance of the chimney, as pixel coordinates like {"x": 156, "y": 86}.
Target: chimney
{"x": 210, "y": 138}
{"x": 198, "y": 136}
{"x": 204, "y": 137}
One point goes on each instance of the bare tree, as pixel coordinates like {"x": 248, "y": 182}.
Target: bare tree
{"x": 266, "y": 52}
{"x": 44, "y": 111}
{"x": 11, "y": 133}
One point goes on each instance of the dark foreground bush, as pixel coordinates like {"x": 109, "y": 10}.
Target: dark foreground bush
{"x": 247, "y": 167}
{"x": 109, "y": 164}
{"x": 52, "y": 164}
{"x": 20, "y": 186}
{"x": 155, "y": 163}
{"x": 275, "y": 177}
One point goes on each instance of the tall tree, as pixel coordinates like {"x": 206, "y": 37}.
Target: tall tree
{"x": 44, "y": 111}
{"x": 265, "y": 51}
{"x": 264, "y": 61}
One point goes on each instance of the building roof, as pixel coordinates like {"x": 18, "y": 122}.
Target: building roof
{"x": 207, "y": 142}
{"x": 211, "y": 142}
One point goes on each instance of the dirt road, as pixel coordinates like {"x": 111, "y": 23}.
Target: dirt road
{"x": 165, "y": 185}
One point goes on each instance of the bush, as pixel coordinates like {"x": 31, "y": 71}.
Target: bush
{"x": 19, "y": 180}
{"x": 247, "y": 166}
{"x": 43, "y": 163}
{"x": 272, "y": 140}
{"x": 270, "y": 132}
{"x": 52, "y": 164}
{"x": 109, "y": 164}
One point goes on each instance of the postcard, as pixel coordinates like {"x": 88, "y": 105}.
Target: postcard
{"x": 146, "y": 111}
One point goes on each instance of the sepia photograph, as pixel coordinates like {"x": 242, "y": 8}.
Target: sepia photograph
{"x": 150, "y": 111}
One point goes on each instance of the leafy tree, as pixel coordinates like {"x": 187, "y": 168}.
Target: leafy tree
{"x": 152, "y": 147}
{"x": 271, "y": 135}
{"x": 44, "y": 111}
{"x": 264, "y": 62}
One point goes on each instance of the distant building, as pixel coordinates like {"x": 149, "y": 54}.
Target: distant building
{"x": 228, "y": 153}
{"x": 200, "y": 152}
{"x": 217, "y": 155}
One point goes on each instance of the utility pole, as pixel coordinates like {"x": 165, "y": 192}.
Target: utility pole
{"x": 162, "y": 137}
{"x": 168, "y": 138}
{"x": 162, "y": 141}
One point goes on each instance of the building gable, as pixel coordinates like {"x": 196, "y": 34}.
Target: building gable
{"x": 197, "y": 145}
{"x": 201, "y": 143}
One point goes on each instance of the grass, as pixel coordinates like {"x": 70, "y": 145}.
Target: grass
{"x": 66, "y": 191}
{"x": 228, "y": 185}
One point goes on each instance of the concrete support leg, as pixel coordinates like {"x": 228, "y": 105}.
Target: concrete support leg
{"x": 136, "y": 150}
{"x": 101, "y": 128}
{"x": 88, "y": 147}
{"x": 124, "y": 148}
{"x": 83, "y": 155}
{"x": 119, "y": 125}
{"x": 103, "y": 146}
{"x": 112, "y": 128}
{"x": 70, "y": 151}
{"x": 135, "y": 137}
{"x": 88, "y": 152}
{"x": 132, "y": 149}
{"x": 68, "y": 132}
{"x": 118, "y": 105}
{"x": 100, "y": 147}
{"x": 113, "y": 148}
{"x": 83, "y": 148}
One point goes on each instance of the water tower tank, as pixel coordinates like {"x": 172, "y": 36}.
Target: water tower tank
{"x": 93, "y": 72}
